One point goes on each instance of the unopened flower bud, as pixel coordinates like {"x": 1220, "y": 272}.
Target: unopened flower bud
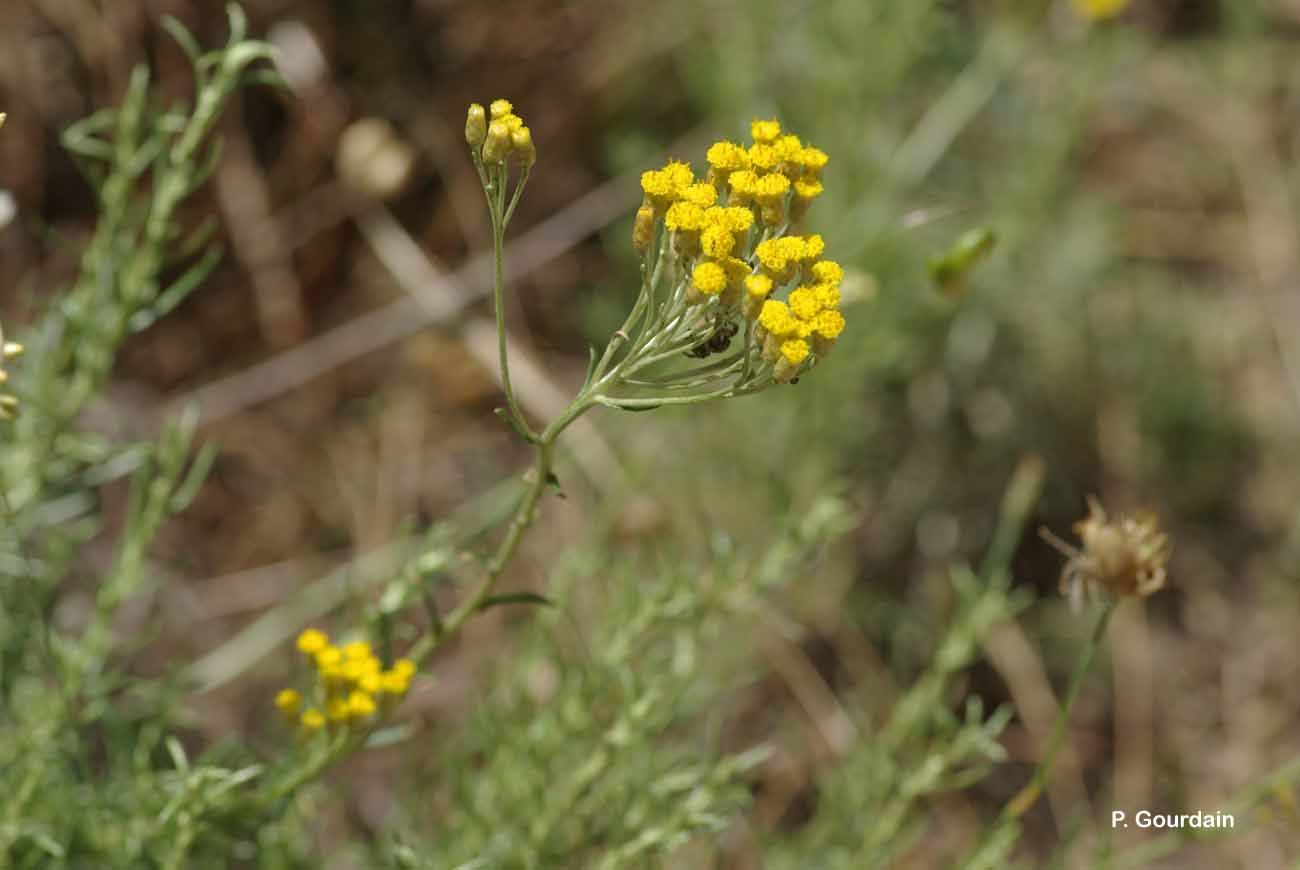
{"x": 784, "y": 372}
{"x": 497, "y": 146}
{"x": 521, "y": 143}
{"x": 771, "y": 348}
{"x": 643, "y": 229}
{"x": 475, "y": 126}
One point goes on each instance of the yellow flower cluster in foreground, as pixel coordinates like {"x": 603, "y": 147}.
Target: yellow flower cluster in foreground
{"x": 731, "y": 234}
{"x": 1096, "y": 10}
{"x": 351, "y": 684}
{"x": 8, "y": 350}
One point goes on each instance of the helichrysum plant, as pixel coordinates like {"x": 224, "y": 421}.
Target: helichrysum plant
{"x": 725, "y": 275}
{"x": 736, "y": 297}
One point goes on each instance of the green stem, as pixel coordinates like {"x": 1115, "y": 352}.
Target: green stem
{"x": 499, "y": 219}
{"x": 523, "y": 518}
{"x": 1027, "y": 796}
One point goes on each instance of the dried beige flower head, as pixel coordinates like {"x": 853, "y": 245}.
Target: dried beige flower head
{"x": 1124, "y": 557}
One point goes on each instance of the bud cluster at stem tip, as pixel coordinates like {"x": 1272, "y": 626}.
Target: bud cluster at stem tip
{"x": 497, "y": 134}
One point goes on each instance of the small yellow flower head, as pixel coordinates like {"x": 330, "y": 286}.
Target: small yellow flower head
{"x": 394, "y": 682}
{"x": 357, "y": 650}
{"x": 775, "y": 318}
{"x": 643, "y": 229}
{"x": 501, "y": 108}
{"x": 793, "y": 353}
{"x": 406, "y": 667}
{"x": 828, "y": 295}
{"x": 685, "y": 220}
{"x": 804, "y": 303}
{"x": 333, "y": 675}
{"x": 739, "y": 219}
{"x": 337, "y": 710}
{"x": 330, "y": 656}
{"x": 1099, "y": 10}
{"x": 708, "y": 279}
{"x": 475, "y": 126}
{"x": 763, "y": 158}
{"x": 725, "y": 158}
{"x": 813, "y": 247}
{"x": 660, "y": 190}
{"x": 743, "y": 187}
{"x": 757, "y": 288}
{"x": 828, "y": 272}
{"x": 312, "y": 720}
{"x": 497, "y": 147}
{"x": 521, "y": 144}
{"x": 717, "y": 242}
{"x": 288, "y": 701}
{"x": 774, "y": 259}
{"x": 663, "y": 187}
{"x": 353, "y": 670}
{"x": 770, "y": 191}
{"x": 702, "y": 194}
{"x": 808, "y": 188}
{"x": 764, "y": 131}
{"x": 826, "y": 330}
{"x": 680, "y": 174}
{"x": 805, "y": 191}
{"x": 813, "y": 160}
{"x": 312, "y": 641}
{"x": 788, "y": 149}
{"x": 737, "y": 271}
{"x": 360, "y": 705}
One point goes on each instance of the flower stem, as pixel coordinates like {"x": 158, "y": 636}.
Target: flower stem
{"x": 538, "y": 479}
{"x": 1027, "y": 796}
{"x": 499, "y": 219}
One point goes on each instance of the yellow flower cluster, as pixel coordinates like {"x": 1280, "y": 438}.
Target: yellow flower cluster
{"x": 1097, "y": 10}
{"x": 496, "y": 134}
{"x": 8, "y": 350}
{"x": 731, "y": 235}
{"x": 351, "y": 684}
{"x": 808, "y": 322}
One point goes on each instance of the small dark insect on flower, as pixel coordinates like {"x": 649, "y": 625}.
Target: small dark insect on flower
{"x": 723, "y": 332}
{"x": 1124, "y": 557}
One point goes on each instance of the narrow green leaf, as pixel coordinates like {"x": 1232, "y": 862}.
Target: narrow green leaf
{"x": 516, "y": 598}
